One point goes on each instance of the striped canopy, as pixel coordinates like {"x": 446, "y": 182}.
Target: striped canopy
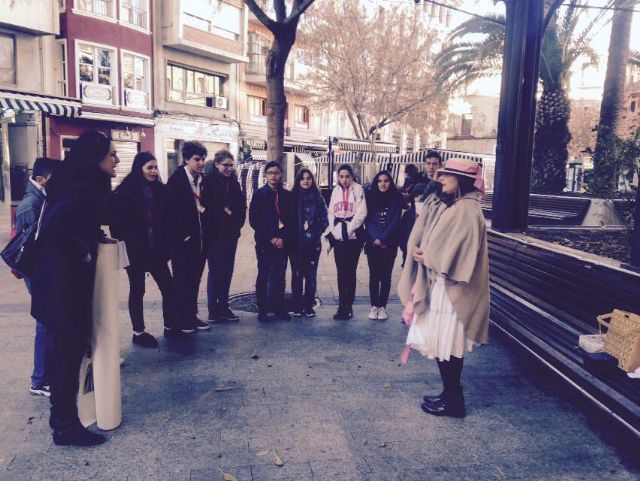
{"x": 31, "y": 102}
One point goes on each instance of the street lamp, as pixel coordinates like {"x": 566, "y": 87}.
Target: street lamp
{"x": 245, "y": 149}
{"x": 332, "y": 141}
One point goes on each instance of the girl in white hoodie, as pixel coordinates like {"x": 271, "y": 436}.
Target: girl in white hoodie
{"x": 347, "y": 212}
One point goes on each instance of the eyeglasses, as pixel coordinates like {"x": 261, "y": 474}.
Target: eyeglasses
{"x": 227, "y": 166}
{"x": 273, "y": 172}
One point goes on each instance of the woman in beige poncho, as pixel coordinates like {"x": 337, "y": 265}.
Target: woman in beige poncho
{"x": 445, "y": 286}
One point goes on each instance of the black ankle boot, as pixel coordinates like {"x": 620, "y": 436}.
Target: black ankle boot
{"x": 77, "y": 436}
{"x": 433, "y": 399}
{"x": 339, "y": 315}
{"x": 451, "y": 404}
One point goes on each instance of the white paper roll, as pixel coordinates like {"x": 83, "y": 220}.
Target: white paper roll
{"x": 105, "y": 342}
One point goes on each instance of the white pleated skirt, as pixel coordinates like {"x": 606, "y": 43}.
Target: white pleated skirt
{"x": 438, "y": 333}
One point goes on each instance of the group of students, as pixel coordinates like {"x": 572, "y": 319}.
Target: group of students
{"x": 197, "y": 217}
{"x": 192, "y": 219}
{"x": 291, "y": 224}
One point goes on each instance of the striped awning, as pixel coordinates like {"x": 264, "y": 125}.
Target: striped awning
{"x": 259, "y": 155}
{"x": 363, "y": 146}
{"x": 31, "y": 102}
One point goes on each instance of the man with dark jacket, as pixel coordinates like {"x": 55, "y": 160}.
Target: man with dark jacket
{"x": 186, "y": 220}
{"x": 27, "y": 214}
{"x": 272, "y": 215}
{"x": 431, "y": 164}
{"x": 225, "y": 213}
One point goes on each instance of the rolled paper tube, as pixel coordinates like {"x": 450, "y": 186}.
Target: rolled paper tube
{"x": 105, "y": 342}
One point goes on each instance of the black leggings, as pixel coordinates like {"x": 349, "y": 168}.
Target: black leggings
{"x": 68, "y": 349}
{"x": 450, "y": 372}
{"x": 161, "y": 274}
{"x": 380, "y": 267}
{"x": 347, "y": 255}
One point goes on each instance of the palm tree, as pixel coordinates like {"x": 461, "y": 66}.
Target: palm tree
{"x": 463, "y": 60}
{"x": 604, "y": 171}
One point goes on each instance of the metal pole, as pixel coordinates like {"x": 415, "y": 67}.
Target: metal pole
{"x": 330, "y": 165}
{"x": 517, "y": 114}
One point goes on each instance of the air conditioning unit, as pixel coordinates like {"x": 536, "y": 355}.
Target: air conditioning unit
{"x": 218, "y": 102}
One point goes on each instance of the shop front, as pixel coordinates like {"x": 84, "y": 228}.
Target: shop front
{"x": 130, "y": 135}
{"x": 172, "y": 132}
{"x": 24, "y": 118}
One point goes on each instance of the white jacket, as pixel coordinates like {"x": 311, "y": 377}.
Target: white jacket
{"x": 355, "y": 206}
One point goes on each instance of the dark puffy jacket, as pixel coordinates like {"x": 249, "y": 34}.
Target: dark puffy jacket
{"x": 220, "y": 192}
{"x": 317, "y": 225}
{"x": 146, "y": 243}
{"x": 263, "y": 216}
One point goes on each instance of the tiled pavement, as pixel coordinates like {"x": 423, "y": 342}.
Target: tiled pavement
{"x": 328, "y": 397}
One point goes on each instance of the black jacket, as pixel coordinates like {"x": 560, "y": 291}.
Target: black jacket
{"x": 146, "y": 238}
{"x": 62, "y": 284}
{"x": 263, "y": 216}
{"x": 390, "y": 233}
{"x": 185, "y": 223}
{"x": 316, "y": 226}
{"x": 220, "y": 192}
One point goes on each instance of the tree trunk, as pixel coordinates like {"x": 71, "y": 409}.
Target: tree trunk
{"x": 612, "y": 95}
{"x": 551, "y": 138}
{"x": 276, "y": 97}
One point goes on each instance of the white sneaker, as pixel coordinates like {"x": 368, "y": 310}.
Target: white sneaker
{"x": 382, "y": 314}
{"x": 373, "y": 315}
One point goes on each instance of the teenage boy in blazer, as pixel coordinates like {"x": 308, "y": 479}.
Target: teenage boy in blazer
{"x": 272, "y": 214}
{"x": 186, "y": 221}
{"x": 226, "y": 209}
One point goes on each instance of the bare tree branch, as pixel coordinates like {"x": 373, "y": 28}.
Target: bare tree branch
{"x": 281, "y": 10}
{"x": 261, "y": 15}
{"x": 299, "y": 7}
{"x": 379, "y": 69}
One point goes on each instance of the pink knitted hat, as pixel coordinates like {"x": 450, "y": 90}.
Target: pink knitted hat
{"x": 465, "y": 168}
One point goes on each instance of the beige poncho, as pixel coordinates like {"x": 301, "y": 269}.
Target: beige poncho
{"x": 454, "y": 241}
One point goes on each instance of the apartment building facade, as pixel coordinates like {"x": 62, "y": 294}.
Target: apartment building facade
{"x": 199, "y": 50}
{"x": 301, "y": 127}
{"x": 31, "y": 94}
{"x": 107, "y": 62}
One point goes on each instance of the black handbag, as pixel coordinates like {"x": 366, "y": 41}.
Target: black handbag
{"x": 21, "y": 253}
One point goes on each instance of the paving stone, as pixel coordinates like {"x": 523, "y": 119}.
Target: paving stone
{"x": 316, "y": 394}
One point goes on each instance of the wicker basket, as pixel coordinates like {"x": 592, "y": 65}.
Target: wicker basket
{"x": 623, "y": 339}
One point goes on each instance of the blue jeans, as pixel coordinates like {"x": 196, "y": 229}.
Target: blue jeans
{"x": 41, "y": 349}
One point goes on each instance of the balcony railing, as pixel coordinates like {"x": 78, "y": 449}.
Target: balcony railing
{"x": 258, "y": 66}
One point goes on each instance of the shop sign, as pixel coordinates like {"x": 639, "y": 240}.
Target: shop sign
{"x": 125, "y": 136}
{"x": 199, "y": 130}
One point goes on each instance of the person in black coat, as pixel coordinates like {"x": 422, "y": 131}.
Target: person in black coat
{"x": 272, "y": 216}
{"x": 62, "y": 284}
{"x": 185, "y": 216}
{"x": 384, "y": 210}
{"x": 139, "y": 219}
{"x": 225, "y": 214}
{"x": 311, "y": 222}
{"x": 409, "y": 216}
